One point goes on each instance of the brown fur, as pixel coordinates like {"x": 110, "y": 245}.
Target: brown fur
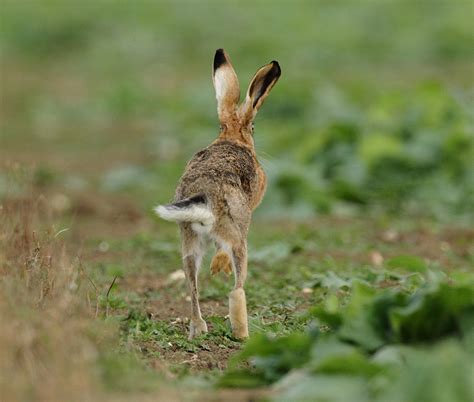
{"x": 225, "y": 163}
{"x": 229, "y": 177}
{"x": 221, "y": 262}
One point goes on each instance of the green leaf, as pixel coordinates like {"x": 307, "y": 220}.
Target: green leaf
{"x": 357, "y": 323}
{"x": 332, "y": 319}
{"x": 332, "y": 281}
{"x": 433, "y": 313}
{"x": 271, "y": 253}
{"x": 327, "y": 388}
{"x": 273, "y": 357}
{"x": 241, "y": 379}
{"x": 378, "y": 146}
{"x": 407, "y": 262}
{"x": 331, "y": 356}
{"x": 439, "y": 374}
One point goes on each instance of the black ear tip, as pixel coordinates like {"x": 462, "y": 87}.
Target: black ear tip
{"x": 277, "y": 67}
{"x": 219, "y": 58}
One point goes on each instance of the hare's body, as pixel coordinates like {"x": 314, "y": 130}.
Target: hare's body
{"x": 223, "y": 164}
{"x": 221, "y": 186}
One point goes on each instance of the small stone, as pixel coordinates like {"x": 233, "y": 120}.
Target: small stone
{"x": 60, "y": 202}
{"x": 177, "y": 275}
{"x": 390, "y": 235}
{"x": 104, "y": 247}
{"x": 445, "y": 246}
{"x": 376, "y": 258}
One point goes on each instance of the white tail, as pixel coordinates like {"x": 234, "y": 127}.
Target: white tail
{"x": 195, "y": 213}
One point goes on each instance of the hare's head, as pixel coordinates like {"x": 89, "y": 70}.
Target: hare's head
{"x": 237, "y": 120}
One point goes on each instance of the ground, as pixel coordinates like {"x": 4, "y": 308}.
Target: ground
{"x": 287, "y": 258}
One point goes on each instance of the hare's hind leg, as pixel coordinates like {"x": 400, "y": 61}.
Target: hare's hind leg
{"x": 222, "y": 260}
{"x": 237, "y": 302}
{"x": 193, "y": 248}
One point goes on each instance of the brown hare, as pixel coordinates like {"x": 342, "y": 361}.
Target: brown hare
{"x": 221, "y": 186}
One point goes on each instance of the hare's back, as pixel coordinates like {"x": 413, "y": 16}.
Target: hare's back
{"x": 216, "y": 167}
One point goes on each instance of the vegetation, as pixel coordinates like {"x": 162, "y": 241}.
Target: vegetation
{"x": 360, "y": 284}
{"x": 385, "y": 346}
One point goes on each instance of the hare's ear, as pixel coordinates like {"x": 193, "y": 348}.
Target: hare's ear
{"x": 259, "y": 88}
{"x": 226, "y": 85}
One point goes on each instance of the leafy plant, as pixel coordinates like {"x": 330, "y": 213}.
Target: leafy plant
{"x": 376, "y": 346}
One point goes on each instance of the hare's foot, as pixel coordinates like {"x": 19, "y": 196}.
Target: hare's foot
{"x": 197, "y": 327}
{"x": 221, "y": 262}
{"x": 238, "y": 313}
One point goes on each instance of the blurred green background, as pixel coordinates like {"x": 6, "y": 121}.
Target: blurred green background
{"x": 374, "y": 109}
